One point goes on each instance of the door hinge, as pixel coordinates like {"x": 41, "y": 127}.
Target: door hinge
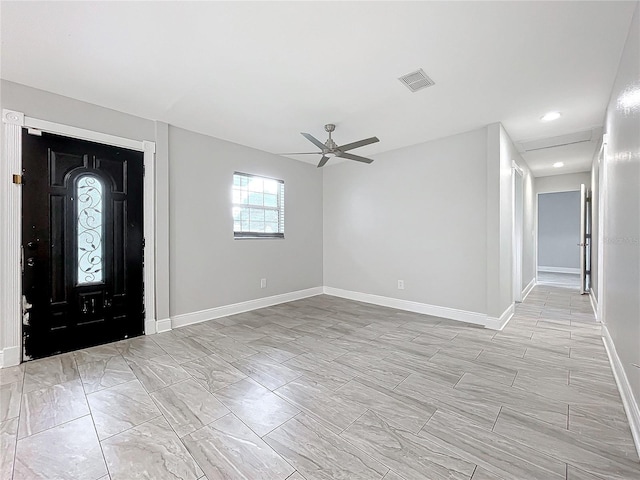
{"x": 144, "y": 170}
{"x": 17, "y": 179}
{"x": 144, "y": 242}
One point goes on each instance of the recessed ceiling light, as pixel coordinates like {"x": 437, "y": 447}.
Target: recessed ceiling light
{"x": 550, "y": 116}
{"x": 558, "y": 165}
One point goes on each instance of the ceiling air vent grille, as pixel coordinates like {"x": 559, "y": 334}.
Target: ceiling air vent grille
{"x": 417, "y": 80}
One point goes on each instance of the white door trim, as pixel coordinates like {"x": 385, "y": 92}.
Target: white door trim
{"x": 11, "y": 210}
{"x": 602, "y": 201}
{"x": 517, "y": 235}
{"x": 537, "y": 215}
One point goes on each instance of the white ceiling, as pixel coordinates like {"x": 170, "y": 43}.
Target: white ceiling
{"x": 260, "y": 73}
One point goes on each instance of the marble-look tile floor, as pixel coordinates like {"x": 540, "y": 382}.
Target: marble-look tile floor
{"x": 326, "y": 388}
{"x": 570, "y": 280}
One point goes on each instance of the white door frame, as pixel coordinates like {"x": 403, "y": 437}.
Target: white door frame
{"x": 537, "y": 214}
{"x": 517, "y": 235}
{"x": 602, "y": 201}
{"x": 11, "y": 227}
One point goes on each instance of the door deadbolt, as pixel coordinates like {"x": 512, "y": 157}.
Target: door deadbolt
{"x": 31, "y": 261}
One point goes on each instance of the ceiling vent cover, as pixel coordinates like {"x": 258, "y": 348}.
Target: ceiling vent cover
{"x": 417, "y": 80}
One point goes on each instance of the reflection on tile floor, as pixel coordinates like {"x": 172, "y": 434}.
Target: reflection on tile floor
{"x": 569, "y": 280}
{"x": 327, "y": 388}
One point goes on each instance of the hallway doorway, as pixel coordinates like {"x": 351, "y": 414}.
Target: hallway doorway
{"x": 559, "y": 225}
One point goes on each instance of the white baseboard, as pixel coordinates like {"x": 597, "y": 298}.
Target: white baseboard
{"x": 594, "y": 303}
{"x": 149, "y": 326}
{"x": 217, "y": 312}
{"x": 499, "y": 323}
{"x": 528, "y": 288}
{"x": 9, "y": 356}
{"x": 559, "y": 270}
{"x": 410, "y": 306}
{"x": 163, "y": 325}
{"x": 628, "y": 400}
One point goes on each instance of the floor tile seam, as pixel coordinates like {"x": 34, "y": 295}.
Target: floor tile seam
{"x": 496, "y": 420}
{"x": 355, "y": 447}
{"x": 15, "y": 451}
{"x": 270, "y": 447}
{"x": 170, "y": 426}
{"x": 506, "y": 439}
{"x": 53, "y": 426}
{"x": 606, "y": 455}
{"x": 474, "y": 472}
{"x": 49, "y": 428}
{"x": 78, "y": 365}
{"x": 129, "y": 428}
{"x": 110, "y": 386}
{"x": 20, "y": 400}
{"x": 104, "y": 458}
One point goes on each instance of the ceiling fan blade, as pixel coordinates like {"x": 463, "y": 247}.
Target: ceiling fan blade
{"x": 301, "y": 153}
{"x": 323, "y": 161}
{"x": 361, "y": 143}
{"x": 314, "y": 140}
{"x": 357, "y": 158}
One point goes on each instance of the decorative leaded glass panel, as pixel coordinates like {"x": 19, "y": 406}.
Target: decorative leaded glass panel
{"x": 89, "y": 194}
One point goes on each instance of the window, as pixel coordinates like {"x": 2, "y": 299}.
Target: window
{"x": 258, "y": 206}
{"x": 89, "y": 229}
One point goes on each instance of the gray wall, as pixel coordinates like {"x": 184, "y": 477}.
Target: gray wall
{"x": 559, "y": 230}
{"x": 621, "y": 273}
{"x": 208, "y": 267}
{"x": 416, "y": 214}
{"x": 68, "y": 111}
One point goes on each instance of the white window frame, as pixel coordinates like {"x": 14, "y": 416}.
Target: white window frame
{"x": 279, "y": 209}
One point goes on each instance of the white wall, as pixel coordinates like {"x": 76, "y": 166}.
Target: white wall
{"x": 529, "y": 234}
{"x": 595, "y": 219}
{"x": 508, "y": 155}
{"x": 621, "y": 273}
{"x": 559, "y": 230}
{"x": 208, "y": 267}
{"x": 562, "y": 183}
{"x": 416, "y": 214}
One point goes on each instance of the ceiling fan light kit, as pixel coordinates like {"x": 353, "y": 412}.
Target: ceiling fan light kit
{"x": 330, "y": 149}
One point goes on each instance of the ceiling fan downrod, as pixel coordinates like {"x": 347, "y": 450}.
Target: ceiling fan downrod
{"x": 331, "y": 145}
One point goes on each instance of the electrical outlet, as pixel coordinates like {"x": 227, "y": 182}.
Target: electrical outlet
{"x": 263, "y": 283}
{"x": 400, "y": 284}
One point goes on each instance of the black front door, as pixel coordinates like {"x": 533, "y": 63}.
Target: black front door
{"x": 82, "y": 240}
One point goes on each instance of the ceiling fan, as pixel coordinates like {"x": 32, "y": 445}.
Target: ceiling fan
{"x": 329, "y": 148}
